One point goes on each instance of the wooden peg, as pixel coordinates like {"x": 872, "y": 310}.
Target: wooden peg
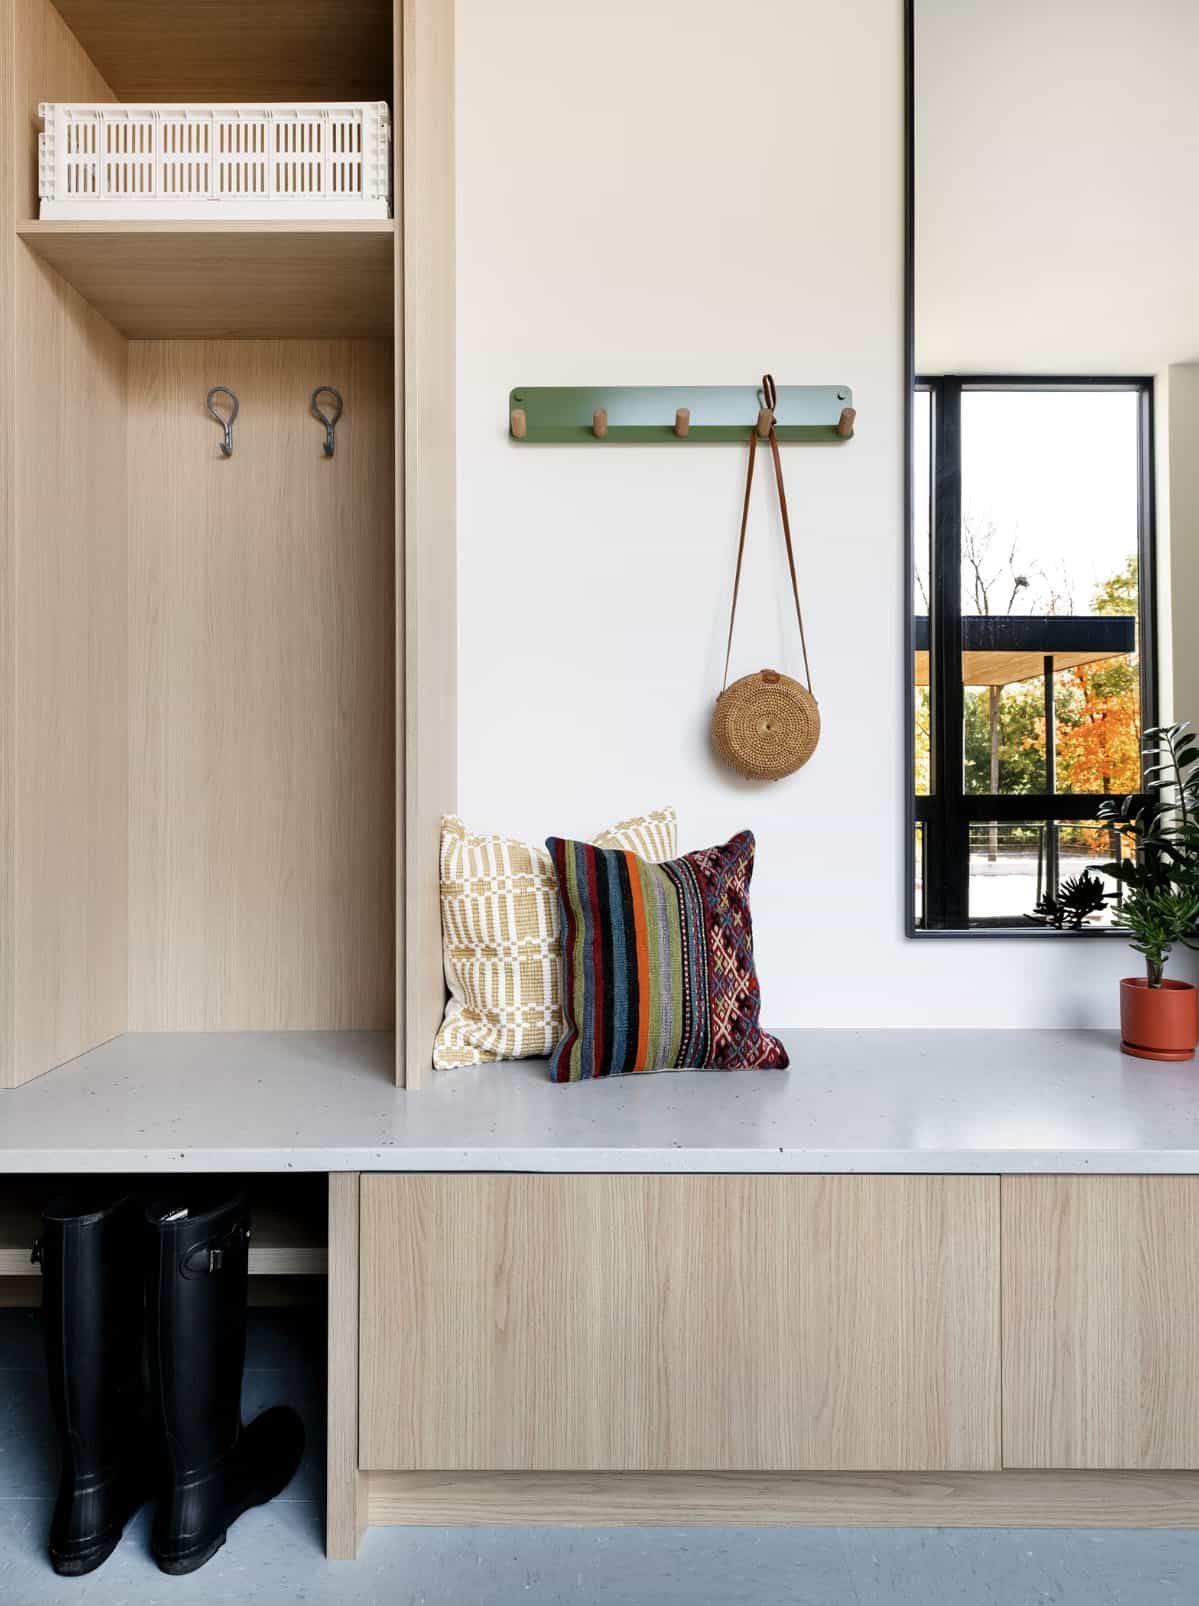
{"x": 845, "y": 423}
{"x": 765, "y": 421}
{"x": 520, "y": 423}
{"x": 682, "y": 422}
{"x": 599, "y": 423}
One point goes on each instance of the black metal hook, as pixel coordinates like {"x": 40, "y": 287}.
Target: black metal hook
{"x": 225, "y": 423}
{"x": 329, "y": 423}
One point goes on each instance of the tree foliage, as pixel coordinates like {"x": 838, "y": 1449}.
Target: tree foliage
{"x": 1099, "y": 744}
{"x": 1021, "y": 738}
{"x": 1119, "y": 594}
{"x": 1097, "y": 705}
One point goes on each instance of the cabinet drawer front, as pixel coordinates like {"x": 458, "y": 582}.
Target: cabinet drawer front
{"x": 679, "y": 1323}
{"x": 1101, "y": 1322}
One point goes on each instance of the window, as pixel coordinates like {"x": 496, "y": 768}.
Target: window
{"x": 1031, "y": 636}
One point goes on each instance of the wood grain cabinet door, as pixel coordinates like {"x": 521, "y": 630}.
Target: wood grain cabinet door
{"x": 1101, "y": 1322}
{"x": 678, "y": 1323}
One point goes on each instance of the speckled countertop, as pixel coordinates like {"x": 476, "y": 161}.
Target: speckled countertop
{"x": 914, "y": 1101}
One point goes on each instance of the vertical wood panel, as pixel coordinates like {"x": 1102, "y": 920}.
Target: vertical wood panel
{"x": 262, "y": 603}
{"x": 345, "y": 1506}
{"x": 425, "y": 319}
{"x": 51, "y": 65}
{"x": 8, "y": 549}
{"x": 62, "y": 610}
{"x": 680, "y": 1323}
{"x": 1101, "y": 1322}
{"x": 71, "y": 675}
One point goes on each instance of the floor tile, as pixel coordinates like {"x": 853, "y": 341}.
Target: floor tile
{"x": 21, "y": 1340}
{"x": 274, "y": 1556}
{"x": 633, "y": 1566}
{"x": 305, "y": 1394}
{"x": 964, "y": 1567}
{"x": 1139, "y": 1567}
{"x": 28, "y": 1450}
{"x": 1050, "y": 1564}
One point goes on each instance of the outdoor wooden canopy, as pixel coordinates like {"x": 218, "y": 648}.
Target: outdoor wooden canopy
{"x": 999, "y": 650}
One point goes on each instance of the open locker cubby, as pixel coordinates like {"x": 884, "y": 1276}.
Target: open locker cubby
{"x": 203, "y": 711}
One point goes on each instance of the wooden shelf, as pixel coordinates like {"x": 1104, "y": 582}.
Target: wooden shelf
{"x": 185, "y": 281}
{"x": 289, "y": 1236}
{"x": 227, "y": 50}
{"x": 289, "y": 1226}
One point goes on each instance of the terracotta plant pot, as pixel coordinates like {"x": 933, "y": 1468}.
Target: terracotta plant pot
{"x": 1158, "y": 1023}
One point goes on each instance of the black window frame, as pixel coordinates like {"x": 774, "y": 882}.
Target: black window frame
{"x": 947, "y": 812}
{"x": 1147, "y": 547}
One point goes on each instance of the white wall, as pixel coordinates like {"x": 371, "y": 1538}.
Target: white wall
{"x": 687, "y": 190}
{"x": 1178, "y": 513}
{"x": 1056, "y": 152}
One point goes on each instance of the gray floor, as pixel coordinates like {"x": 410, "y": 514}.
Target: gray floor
{"x": 274, "y": 1556}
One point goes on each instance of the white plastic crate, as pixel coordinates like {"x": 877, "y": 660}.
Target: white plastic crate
{"x": 317, "y": 160}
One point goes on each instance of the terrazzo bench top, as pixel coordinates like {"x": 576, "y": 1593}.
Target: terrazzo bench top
{"x": 876, "y": 1101}
{"x": 853, "y": 1100}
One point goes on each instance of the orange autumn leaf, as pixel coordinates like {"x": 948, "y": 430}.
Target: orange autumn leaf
{"x": 1101, "y": 751}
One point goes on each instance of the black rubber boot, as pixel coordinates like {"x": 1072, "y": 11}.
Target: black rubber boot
{"x": 91, "y": 1258}
{"x": 213, "y": 1468}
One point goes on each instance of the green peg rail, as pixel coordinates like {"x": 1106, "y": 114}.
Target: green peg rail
{"x": 681, "y": 415}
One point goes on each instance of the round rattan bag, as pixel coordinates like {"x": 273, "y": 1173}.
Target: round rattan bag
{"x": 766, "y": 725}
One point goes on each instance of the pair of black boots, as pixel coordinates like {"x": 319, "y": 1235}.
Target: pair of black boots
{"x": 126, "y": 1283}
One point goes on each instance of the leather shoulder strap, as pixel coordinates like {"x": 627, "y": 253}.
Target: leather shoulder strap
{"x": 782, "y": 495}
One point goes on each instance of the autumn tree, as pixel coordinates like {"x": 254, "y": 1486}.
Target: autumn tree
{"x": 922, "y": 749}
{"x": 1099, "y": 749}
{"x": 1099, "y": 738}
{"x": 996, "y": 574}
{"x": 1098, "y": 731}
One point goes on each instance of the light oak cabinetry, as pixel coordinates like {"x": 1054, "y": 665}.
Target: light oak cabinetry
{"x": 1101, "y": 1322}
{"x": 262, "y": 886}
{"x": 779, "y": 1349}
{"x": 214, "y": 670}
{"x": 684, "y": 1323}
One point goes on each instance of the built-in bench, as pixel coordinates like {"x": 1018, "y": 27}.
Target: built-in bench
{"x": 939, "y": 1276}
{"x": 995, "y": 1102}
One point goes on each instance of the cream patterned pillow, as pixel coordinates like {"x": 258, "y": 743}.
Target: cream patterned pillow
{"x": 500, "y": 938}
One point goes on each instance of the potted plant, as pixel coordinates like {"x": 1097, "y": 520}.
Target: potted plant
{"x": 1071, "y": 905}
{"x": 1159, "y": 1017}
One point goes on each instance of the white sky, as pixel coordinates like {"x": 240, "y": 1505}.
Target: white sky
{"x": 1054, "y": 472}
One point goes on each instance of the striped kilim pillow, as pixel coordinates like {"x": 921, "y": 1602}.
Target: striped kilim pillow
{"x": 658, "y": 963}
{"x": 500, "y": 938}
